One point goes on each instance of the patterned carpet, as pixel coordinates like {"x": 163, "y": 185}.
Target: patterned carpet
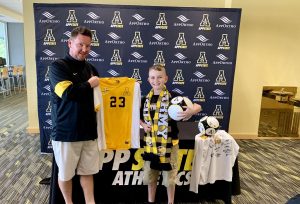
{"x": 269, "y": 169}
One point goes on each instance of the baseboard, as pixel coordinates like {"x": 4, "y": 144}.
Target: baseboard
{"x": 33, "y": 130}
{"x": 243, "y": 136}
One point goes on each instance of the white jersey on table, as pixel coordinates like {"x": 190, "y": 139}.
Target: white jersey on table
{"x": 212, "y": 161}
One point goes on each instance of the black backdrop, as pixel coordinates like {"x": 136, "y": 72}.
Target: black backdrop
{"x": 197, "y": 45}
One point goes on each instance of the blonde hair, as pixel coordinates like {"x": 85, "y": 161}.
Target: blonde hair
{"x": 158, "y": 68}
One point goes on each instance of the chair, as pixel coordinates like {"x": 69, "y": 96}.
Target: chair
{"x": 18, "y": 78}
{"x": 5, "y": 82}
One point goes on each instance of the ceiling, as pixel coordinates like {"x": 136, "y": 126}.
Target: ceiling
{"x": 11, "y": 10}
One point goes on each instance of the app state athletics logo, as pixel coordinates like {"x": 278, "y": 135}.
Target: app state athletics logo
{"x": 199, "y": 95}
{"x": 224, "y": 43}
{"x": 180, "y": 42}
{"x": 202, "y": 61}
{"x": 48, "y": 109}
{"x": 72, "y": 20}
{"x": 221, "y": 80}
{"x": 136, "y": 75}
{"x": 95, "y": 41}
{"x": 178, "y": 78}
{"x": 49, "y": 38}
{"x": 218, "y": 113}
{"x": 161, "y": 22}
{"x": 159, "y": 59}
{"x": 205, "y": 24}
{"x": 116, "y": 21}
{"x": 137, "y": 40}
{"x": 116, "y": 59}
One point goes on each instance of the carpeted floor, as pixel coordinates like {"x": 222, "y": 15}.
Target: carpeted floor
{"x": 269, "y": 169}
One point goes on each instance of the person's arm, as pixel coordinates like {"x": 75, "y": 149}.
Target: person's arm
{"x": 60, "y": 79}
{"x": 147, "y": 128}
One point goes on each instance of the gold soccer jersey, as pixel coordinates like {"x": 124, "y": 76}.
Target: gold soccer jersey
{"x": 117, "y": 102}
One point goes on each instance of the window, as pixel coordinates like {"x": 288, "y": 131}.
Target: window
{"x": 3, "y": 41}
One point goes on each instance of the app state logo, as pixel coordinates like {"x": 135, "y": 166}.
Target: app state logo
{"x": 49, "y": 38}
{"x": 202, "y": 61}
{"x": 137, "y": 40}
{"x": 116, "y": 21}
{"x": 72, "y": 20}
{"x": 161, "y": 22}
{"x": 159, "y": 59}
{"x": 116, "y": 59}
{"x": 205, "y": 24}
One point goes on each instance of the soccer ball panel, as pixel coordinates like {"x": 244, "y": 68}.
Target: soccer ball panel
{"x": 173, "y": 110}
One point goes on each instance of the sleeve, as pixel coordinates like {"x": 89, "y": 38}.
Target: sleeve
{"x": 63, "y": 86}
{"x": 135, "y": 129}
{"x": 142, "y": 108}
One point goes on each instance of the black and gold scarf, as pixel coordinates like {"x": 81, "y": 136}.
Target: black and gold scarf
{"x": 158, "y": 145}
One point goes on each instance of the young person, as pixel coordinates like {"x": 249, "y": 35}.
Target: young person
{"x": 161, "y": 134}
{"x": 74, "y": 130}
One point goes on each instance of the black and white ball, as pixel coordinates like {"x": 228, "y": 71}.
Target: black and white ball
{"x": 208, "y": 125}
{"x": 177, "y": 105}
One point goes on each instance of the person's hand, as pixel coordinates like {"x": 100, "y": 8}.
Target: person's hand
{"x": 187, "y": 114}
{"x": 94, "y": 81}
{"x": 147, "y": 128}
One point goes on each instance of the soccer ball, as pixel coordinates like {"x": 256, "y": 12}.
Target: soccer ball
{"x": 176, "y": 106}
{"x": 208, "y": 125}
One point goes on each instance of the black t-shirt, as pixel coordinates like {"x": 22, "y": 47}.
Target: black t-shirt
{"x": 171, "y": 123}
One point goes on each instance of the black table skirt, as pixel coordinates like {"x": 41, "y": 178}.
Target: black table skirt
{"x": 107, "y": 193}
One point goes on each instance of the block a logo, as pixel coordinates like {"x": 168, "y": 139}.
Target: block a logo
{"x": 95, "y": 41}
{"x": 218, "y": 113}
{"x": 116, "y": 21}
{"x": 221, "y": 80}
{"x": 159, "y": 59}
{"x": 137, "y": 40}
{"x": 136, "y": 75}
{"x": 72, "y": 20}
{"x": 161, "y": 22}
{"x": 94, "y": 18}
{"x": 184, "y": 22}
{"x": 180, "y": 42}
{"x": 49, "y": 38}
{"x": 224, "y": 44}
{"x": 116, "y": 59}
{"x": 48, "y": 109}
{"x": 178, "y": 78}
{"x": 202, "y": 61}
{"x": 199, "y": 96}
{"x": 50, "y": 18}
{"x": 205, "y": 24}
{"x": 47, "y": 74}
{"x": 226, "y": 23}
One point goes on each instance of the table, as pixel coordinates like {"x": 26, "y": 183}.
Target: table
{"x": 118, "y": 177}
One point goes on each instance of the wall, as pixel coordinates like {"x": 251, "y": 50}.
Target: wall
{"x": 16, "y": 43}
{"x": 267, "y": 53}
